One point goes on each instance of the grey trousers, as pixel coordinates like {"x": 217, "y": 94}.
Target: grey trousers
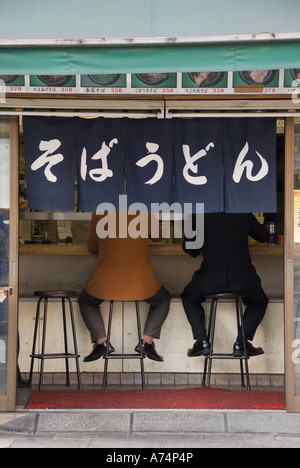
{"x": 92, "y": 317}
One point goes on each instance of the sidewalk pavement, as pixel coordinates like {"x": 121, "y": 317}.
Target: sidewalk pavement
{"x": 179, "y": 429}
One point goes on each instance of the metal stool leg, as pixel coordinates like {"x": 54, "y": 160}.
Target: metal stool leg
{"x": 108, "y": 341}
{"x": 43, "y": 343}
{"x": 37, "y": 317}
{"x": 138, "y": 319}
{"x": 242, "y": 374}
{"x": 244, "y": 345}
{"x": 209, "y": 339}
{"x": 238, "y": 321}
{"x": 247, "y": 375}
{"x": 66, "y": 342}
{"x": 75, "y": 343}
{"x": 212, "y": 338}
{"x": 204, "y": 372}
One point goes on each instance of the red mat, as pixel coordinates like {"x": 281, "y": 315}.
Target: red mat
{"x": 189, "y": 398}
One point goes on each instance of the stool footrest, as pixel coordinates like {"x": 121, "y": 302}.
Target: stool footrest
{"x": 124, "y": 356}
{"x": 225, "y": 356}
{"x": 55, "y": 356}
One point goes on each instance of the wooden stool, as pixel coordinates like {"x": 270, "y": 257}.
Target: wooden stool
{"x": 65, "y": 297}
{"x": 211, "y": 335}
{"x": 140, "y": 356}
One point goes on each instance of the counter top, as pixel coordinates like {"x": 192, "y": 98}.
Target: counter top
{"x": 175, "y": 250}
{"x": 273, "y": 300}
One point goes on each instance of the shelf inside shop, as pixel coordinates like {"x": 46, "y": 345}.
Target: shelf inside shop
{"x": 155, "y": 250}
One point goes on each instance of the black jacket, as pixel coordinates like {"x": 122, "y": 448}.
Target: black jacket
{"x": 227, "y": 265}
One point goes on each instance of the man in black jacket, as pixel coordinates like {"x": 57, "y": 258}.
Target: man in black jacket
{"x": 226, "y": 268}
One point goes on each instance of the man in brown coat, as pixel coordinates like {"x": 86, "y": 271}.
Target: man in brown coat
{"x": 123, "y": 273}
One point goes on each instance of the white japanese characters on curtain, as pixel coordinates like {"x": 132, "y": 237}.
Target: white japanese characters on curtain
{"x": 50, "y": 163}
{"x": 227, "y": 164}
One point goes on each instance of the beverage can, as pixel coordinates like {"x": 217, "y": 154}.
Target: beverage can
{"x": 271, "y": 228}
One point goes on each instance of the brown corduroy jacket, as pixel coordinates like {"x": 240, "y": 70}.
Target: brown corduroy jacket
{"x": 123, "y": 271}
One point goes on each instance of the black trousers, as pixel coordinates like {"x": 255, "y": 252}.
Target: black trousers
{"x": 92, "y": 317}
{"x": 256, "y": 303}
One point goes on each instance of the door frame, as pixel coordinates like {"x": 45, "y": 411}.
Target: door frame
{"x": 292, "y": 401}
{"x": 8, "y": 401}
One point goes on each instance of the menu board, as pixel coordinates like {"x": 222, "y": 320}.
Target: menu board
{"x": 193, "y": 83}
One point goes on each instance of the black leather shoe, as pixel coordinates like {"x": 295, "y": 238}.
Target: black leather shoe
{"x": 238, "y": 350}
{"x": 149, "y": 351}
{"x": 200, "y": 348}
{"x": 98, "y": 352}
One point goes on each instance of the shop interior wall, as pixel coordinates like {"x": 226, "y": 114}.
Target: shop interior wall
{"x": 174, "y": 272}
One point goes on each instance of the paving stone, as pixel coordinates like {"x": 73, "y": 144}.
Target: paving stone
{"x": 264, "y": 422}
{"x": 36, "y": 442}
{"x": 6, "y": 442}
{"x": 84, "y": 422}
{"x": 178, "y": 422}
{"x": 288, "y": 442}
{"x": 24, "y": 424}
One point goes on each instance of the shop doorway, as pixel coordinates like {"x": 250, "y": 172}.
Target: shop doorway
{"x": 7, "y": 399}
